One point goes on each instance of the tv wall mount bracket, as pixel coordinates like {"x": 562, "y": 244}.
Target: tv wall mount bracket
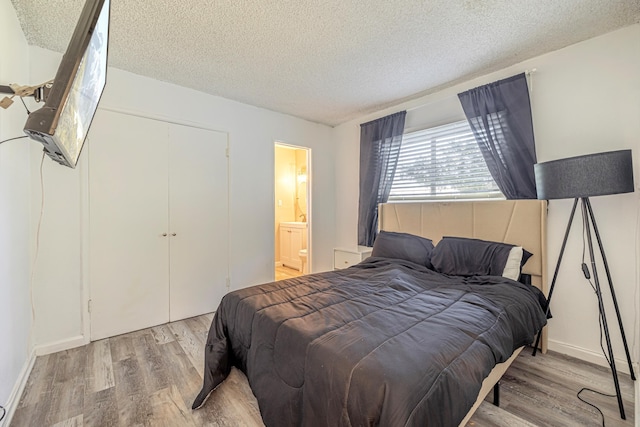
{"x": 40, "y": 92}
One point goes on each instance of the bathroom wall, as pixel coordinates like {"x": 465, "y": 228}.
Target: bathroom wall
{"x": 290, "y": 194}
{"x": 285, "y": 179}
{"x": 300, "y": 206}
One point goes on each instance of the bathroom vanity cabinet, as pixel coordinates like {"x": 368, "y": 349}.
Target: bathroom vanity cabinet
{"x": 293, "y": 237}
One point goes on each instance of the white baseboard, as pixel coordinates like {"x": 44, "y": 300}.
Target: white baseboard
{"x": 61, "y": 345}
{"x": 589, "y": 356}
{"x": 18, "y": 388}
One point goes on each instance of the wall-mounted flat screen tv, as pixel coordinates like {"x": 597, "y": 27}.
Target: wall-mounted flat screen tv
{"x": 62, "y": 124}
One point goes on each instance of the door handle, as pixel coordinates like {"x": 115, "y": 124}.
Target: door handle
{"x": 173, "y": 234}
{"x": 164, "y": 234}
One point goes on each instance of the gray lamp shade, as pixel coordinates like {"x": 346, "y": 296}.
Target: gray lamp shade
{"x": 585, "y": 176}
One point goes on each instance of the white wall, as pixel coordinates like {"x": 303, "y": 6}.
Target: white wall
{"x": 15, "y": 240}
{"x": 585, "y": 99}
{"x": 57, "y": 221}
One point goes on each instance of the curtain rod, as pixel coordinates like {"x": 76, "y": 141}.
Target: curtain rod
{"x": 528, "y": 73}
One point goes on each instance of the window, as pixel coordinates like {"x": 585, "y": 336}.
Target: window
{"x": 443, "y": 162}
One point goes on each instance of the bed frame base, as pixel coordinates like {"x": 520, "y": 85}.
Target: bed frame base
{"x": 491, "y": 382}
{"x": 496, "y": 394}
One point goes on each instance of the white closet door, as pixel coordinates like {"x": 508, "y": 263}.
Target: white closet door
{"x": 128, "y": 202}
{"x": 198, "y": 207}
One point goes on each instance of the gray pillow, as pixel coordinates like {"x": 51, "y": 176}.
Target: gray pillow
{"x": 404, "y": 246}
{"x": 474, "y": 257}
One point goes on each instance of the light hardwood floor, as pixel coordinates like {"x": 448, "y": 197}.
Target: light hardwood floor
{"x": 283, "y": 273}
{"x": 150, "y": 377}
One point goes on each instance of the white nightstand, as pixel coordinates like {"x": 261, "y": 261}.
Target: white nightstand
{"x": 346, "y": 257}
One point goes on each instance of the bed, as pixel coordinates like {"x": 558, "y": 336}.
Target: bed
{"x": 389, "y": 341}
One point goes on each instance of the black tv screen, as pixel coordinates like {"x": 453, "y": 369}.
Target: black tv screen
{"x": 63, "y": 122}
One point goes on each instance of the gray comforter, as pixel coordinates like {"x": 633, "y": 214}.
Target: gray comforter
{"x": 385, "y": 342}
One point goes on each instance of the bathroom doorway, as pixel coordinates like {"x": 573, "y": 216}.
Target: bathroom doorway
{"x": 292, "y": 204}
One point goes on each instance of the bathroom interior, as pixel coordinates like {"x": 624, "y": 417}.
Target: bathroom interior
{"x": 291, "y": 211}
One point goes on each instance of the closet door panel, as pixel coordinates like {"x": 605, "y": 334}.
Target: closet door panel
{"x": 198, "y": 209}
{"x": 128, "y": 202}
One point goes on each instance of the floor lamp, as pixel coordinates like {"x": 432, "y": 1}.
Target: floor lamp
{"x": 579, "y": 178}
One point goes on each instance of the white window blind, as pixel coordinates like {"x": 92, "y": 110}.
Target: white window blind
{"x": 443, "y": 162}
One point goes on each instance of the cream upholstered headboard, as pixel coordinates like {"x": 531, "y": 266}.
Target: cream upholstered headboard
{"x": 519, "y": 222}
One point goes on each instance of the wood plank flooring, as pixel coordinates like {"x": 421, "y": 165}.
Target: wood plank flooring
{"x": 150, "y": 377}
{"x": 283, "y": 273}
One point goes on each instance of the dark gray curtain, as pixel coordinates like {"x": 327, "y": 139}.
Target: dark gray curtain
{"x": 379, "y": 149}
{"x": 500, "y": 117}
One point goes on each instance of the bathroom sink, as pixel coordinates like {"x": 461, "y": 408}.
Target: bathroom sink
{"x": 294, "y": 224}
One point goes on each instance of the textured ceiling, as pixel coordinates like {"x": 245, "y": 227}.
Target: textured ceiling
{"x": 327, "y": 61}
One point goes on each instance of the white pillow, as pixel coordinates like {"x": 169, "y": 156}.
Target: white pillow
{"x": 512, "y": 266}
